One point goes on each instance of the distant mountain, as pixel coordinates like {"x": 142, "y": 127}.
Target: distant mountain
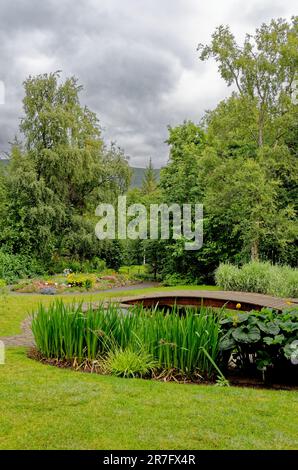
{"x": 136, "y": 180}
{"x": 138, "y": 175}
{"x": 3, "y": 162}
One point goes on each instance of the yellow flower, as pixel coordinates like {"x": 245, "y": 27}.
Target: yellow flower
{"x": 238, "y": 306}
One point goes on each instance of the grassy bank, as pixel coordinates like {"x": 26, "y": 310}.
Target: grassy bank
{"x": 43, "y": 407}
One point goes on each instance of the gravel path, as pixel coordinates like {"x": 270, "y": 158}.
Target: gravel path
{"x": 23, "y": 339}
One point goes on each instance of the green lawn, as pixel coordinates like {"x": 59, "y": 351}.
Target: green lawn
{"x": 43, "y": 407}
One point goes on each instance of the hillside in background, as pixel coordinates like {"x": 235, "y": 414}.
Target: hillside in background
{"x": 138, "y": 175}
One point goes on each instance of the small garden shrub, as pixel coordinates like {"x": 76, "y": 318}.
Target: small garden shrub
{"x": 260, "y": 340}
{"x": 79, "y": 280}
{"x": 129, "y": 363}
{"x": 264, "y": 278}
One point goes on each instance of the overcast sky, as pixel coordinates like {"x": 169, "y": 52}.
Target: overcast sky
{"x": 137, "y": 60}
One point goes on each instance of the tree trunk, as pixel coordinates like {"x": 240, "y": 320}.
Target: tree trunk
{"x": 261, "y": 126}
{"x": 255, "y": 250}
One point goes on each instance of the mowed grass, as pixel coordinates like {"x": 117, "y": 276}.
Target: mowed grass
{"x": 42, "y": 407}
{"x": 16, "y": 307}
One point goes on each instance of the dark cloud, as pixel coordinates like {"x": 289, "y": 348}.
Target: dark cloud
{"x": 136, "y": 59}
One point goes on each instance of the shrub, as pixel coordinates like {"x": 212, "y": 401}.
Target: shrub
{"x": 129, "y": 363}
{"x": 58, "y": 265}
{"x": 99, "y": 265}
{"x": 136, "y": 271}
{"x": 79, "y": 280}
{"x": 176, "y": 280}
{"x": 259, "y": 340}
{"x": 263, "y": 278}
{"x": 14, "y": 267}
{"x": 227, "y": 277}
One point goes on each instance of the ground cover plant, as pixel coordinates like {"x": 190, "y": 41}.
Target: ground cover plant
{"x": 266, "y": 341}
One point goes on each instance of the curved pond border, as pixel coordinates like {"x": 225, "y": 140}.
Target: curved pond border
{"x": 244, "y": 301}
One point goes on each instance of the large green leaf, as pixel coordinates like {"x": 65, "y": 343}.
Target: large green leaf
{"x": 279, "y": 339}
{"x": 270, "y": 328}
{"x": 227, "y": 321}
{"x": 246, "y": 334}
{"x": 226, "y": 343}
{"x": 242, "y": 317}
{"x": 235, "y": 319}
{"x": 289, "y": 326}
{"x": 291, "y": 348}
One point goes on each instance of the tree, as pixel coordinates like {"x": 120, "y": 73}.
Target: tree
{"x": 248, "y": 201}
{"x": 179, "y": 179}
{"x": 263, "y": 69}
{"x": 149, "y": 183}
{"x": 60, "y": 173}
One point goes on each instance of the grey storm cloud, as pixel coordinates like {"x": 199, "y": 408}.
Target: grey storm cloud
{"x": 136, "y": 59}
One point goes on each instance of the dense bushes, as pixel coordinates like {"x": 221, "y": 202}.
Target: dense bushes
{"x": 178, "y": 280}
{"x": 265, "y": 340}
{"x": 60, "y": 264}
{"x": 264, "y": 278}
{"x": 175, "y": 342}
{"x": 13, "y": 267}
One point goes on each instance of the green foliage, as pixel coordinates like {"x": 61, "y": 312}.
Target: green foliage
{"x": 264, "y": 278}
{"x": 59, "y": 175}
{"x": 241, "y": 163}
{"x": 149, "y": 183}
{"x": 135, "y": 271}
{"x": 174, "y": 341}
{"x": 112, "y": 253}
{"x": 260, "y": 339}
{"x": 259, "y": 68}
{"x": 14, "y": 267}
{"x": 248, "y": 200}
{"x": 58, "y": 264}
{"x": 176, "y": 280}
{"x": 79, "y": 281}
{"x": 180, "y": 178}
{"x": 129, "y": 363}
